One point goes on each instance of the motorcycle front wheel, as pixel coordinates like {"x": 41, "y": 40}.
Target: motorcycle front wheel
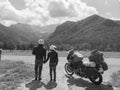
{"x": 96, "y": 79}
{"x": 68, "y": 70}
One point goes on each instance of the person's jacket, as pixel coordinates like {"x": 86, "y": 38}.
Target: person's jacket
{"x": 39, "y": 52}
{"x": 53, "y": 56}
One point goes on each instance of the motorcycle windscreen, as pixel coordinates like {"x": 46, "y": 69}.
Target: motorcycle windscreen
{"x": 89, "y": 64}
{"x": 77, "y": 56}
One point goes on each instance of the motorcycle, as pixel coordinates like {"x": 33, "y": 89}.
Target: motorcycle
{"x": 86, "y": 71}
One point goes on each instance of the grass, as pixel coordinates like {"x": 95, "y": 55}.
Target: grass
{"x": 115, "y": 79}
{"x": 60, "y": 53}
{"x": 12, "y": 74}
{"x": 17, "y": 52}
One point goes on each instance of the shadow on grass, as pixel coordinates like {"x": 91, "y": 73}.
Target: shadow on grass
{"x": 50, "y": 85}
{"x": 34, "y": 85}
{"x": 85, "y": 84}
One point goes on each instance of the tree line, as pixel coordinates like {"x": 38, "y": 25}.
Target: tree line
{"x": 90, "y": 46}
{"x": 11, "y": 45}
{"x": 86, "y": 46}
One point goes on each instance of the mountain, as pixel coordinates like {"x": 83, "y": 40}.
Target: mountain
{"x": 26, "y": 30}
{"x": 23, "y": 34}
{"x": 6, "y": 34}
{"x": 92, "y": 32}
{"x": 48, "y": 28}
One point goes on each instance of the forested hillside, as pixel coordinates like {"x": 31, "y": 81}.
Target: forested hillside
{"x": 23, "y": 36}
{"x": 89, "y": 33}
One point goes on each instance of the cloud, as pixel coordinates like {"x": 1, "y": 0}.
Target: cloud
{"x": 61, "y": 9}
{"x": 10, "y": 14}
{"x": 44, "y": 12}
{"x": 106, "y": 2}
{"x": 108, "y": 14}
{"x": 115, "y": 18}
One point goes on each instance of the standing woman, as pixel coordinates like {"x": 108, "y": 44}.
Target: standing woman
{"x": 40, "y": 57}
{"x": 53, "y": 57}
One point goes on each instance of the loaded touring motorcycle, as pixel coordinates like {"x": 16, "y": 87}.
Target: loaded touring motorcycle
{"x": 86, "y": 70}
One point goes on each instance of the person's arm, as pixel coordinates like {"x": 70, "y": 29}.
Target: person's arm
{"x": 34, "y": 51}
{"x": 48, "y": 56}
{"x": 44, "y": 55}
{"x": 69, "y": 56}
{"x": 56, "y": 58}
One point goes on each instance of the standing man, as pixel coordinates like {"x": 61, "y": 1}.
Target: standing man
{"x": 53, "y": 56}
{"x": 0, "y": 53}
{"x": 40, "y": 56}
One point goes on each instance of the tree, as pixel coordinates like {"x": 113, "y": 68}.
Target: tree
{"x": 1, "y": 45}
{"x": 31, "y": 46}
{"x": 11, "y": 45}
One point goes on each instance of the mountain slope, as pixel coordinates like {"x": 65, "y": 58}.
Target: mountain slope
{"x": 94, "y": 31}
{"x": 27, "y": 30}
{"x": 6, "y": 34}
{"x": 23, "y": 34}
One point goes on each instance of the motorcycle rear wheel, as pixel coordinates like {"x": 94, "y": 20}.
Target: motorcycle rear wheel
{"x": 96, "y": 79}
{"x": 68, "y": 69}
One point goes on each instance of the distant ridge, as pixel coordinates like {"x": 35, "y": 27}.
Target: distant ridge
{"x": 24, "y": 34}
{"x": 92, "y": 32}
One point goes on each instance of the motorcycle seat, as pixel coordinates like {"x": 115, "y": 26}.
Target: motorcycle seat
{"x": 89, "y": 64}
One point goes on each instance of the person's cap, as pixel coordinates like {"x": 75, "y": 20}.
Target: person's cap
{"x": 40, "y": 41}
{"x": 52, "y": 47}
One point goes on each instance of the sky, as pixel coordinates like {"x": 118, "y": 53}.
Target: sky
{"x": 46, "y": 12}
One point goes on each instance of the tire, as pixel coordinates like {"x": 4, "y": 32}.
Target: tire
{"x": 94, "y": 78}
{"x": 68, "y": 70}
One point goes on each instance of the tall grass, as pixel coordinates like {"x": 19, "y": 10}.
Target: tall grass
{"x": 14, "y": 73}
{"x": 115, "y": 81}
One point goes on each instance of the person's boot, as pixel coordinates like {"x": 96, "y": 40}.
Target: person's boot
{"x": 54, "y": 76}
{"x": 40, "y": 79}
{"x": 54, "y": 80}
{"x": 51, "y": 80}
{"x": 35, "y": 76}
{"x": 40, "y": 70}
{"x": 50, "y": 74}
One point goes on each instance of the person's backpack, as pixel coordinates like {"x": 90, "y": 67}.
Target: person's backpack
{"x": 97, "y": 58}
{"x": 104, "y": 66}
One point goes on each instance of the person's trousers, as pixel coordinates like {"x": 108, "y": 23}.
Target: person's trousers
{"x": 52, "y": 72}
{"x": 38, "y": 69}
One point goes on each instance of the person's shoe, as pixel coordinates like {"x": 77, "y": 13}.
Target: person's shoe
{"x": 35, "y": 78}
{"x": 40, "y": 79}
{"x": 54, "y": 80}
{"x": 50, "y": 80}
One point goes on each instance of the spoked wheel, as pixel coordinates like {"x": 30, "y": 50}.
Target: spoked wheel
{"x": 68, "y": 70}
{"x": 97, "y": 79}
